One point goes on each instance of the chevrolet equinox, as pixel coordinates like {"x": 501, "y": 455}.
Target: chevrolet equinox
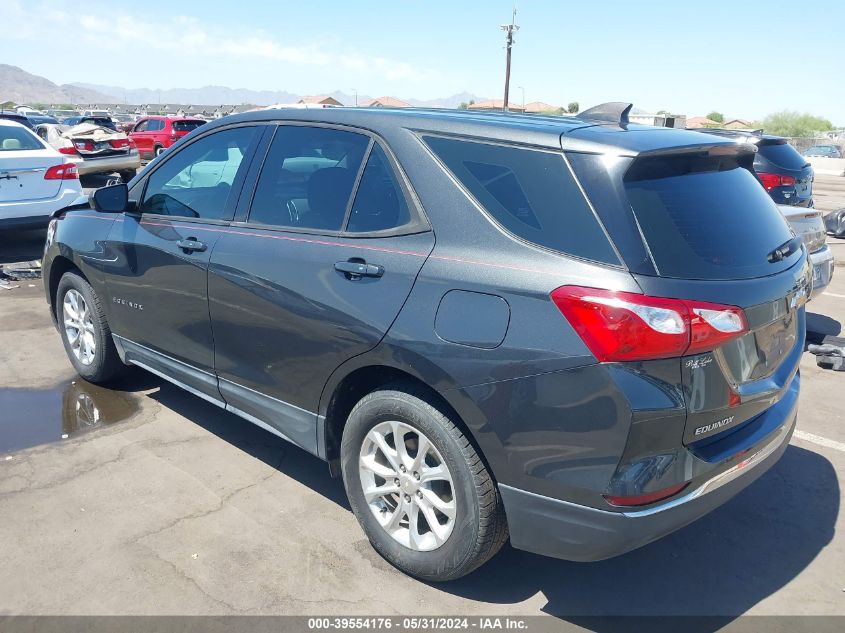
{"x": 561, "y": 331}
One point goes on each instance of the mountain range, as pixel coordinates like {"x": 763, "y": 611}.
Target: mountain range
{"x": 19, "y": 86}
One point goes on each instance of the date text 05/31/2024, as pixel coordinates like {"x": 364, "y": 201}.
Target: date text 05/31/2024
{"x": 417, "y": 623}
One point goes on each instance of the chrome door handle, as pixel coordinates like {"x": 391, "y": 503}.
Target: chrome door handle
{"x": 191, "y": 245}
{"x": 357, "y": 269}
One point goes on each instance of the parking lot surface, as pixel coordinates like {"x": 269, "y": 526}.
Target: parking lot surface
{"x": 148, "y": 500}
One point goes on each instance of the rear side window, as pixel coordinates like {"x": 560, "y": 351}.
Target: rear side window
{"x": 782, "y": 154}
{"x": 186, "y": 126}
{"x": 706, "y": 218}
{"x": 379, "y": 203}
{"x": 307, "y": 178}
{"x": 531, "y": 193}
{"x": 13, "y": 138}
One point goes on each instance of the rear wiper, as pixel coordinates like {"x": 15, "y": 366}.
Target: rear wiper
{"x": 784, "y": 250}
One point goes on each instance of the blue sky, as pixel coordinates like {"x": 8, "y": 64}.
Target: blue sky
{"x": 678, "y": 56}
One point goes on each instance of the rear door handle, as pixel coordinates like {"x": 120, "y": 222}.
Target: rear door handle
{"x": 357, "y": 269}
{"x": 191, "y": 245}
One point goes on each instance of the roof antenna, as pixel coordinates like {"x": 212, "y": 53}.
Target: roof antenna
{"x": 611, "y": 112}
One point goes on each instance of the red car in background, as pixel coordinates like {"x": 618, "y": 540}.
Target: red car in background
{"x": 154, "y": 134}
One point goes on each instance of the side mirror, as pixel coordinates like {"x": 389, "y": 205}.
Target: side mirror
{"x": 111, "y": 199}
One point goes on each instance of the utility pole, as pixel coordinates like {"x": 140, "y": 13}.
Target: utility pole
{"x": 509, "y": 29}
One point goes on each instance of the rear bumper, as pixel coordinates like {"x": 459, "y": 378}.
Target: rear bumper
{"x": 822, "y": 262}
{"x": 108, "y": 164}
{"x": 560, "y": 529}
{"x": 36, "y": 214}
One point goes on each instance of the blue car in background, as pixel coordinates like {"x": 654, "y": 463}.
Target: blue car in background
{"x": 784, "y": 172}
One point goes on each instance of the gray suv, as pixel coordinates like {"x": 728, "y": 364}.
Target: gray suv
{"x": 492, "y": 326}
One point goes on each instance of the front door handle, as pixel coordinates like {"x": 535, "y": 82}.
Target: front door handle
{"x": 191, "y": 245}
{"x": 357, "y": 268}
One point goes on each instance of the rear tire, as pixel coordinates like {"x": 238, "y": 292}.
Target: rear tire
{"x": 85, "y": 331}
{"x": 453, "y": 480}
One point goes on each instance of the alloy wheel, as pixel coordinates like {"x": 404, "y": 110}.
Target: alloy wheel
{"x": 407, "y": 485}
{"x": 79, "y": 327}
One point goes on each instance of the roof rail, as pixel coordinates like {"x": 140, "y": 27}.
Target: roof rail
{"x": 612, "y": 112}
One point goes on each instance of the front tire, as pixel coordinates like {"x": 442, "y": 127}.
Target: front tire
{"x": 416, "y": 485}
{"x": 158, "y": 150}
{"x": 85, "y": 331}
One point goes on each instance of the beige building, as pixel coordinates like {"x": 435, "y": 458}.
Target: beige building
{"x": 387, "y": 102}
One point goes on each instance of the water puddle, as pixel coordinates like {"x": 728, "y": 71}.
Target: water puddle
{"x": 29, "y": 417}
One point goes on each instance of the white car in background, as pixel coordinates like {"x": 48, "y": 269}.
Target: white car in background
{"x": 35, "y": 179}
{"x": 808, "y": 224}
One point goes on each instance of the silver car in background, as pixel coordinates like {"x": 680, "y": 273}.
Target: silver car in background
{"x": 810, "y": 226}
{"x": 94, "y": 149}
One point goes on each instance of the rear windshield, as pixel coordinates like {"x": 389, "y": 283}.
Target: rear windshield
{"x": 782, "y": 154}
{"x": 101, "y": 121}
{"x": 531, "y": 193}
{"x": 706, "y": 218}
{"x": 13, "y": 139}
{"x": 186, "y": 126}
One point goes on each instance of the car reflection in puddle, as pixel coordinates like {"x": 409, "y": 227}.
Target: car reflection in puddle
{"x": 29, "y": 417}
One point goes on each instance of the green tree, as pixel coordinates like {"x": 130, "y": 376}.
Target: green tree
{"x": 465, "y": 105}
{"x": 573, "y": 107}
{"x": 794, "y": 124}
{"x": 718, "y": 117}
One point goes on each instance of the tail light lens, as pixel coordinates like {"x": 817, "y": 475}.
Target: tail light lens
{"x": 624, "y": 326}
{"x": 65, "y": 171}
{"x": 69, "y": 151}
{"x": 646, "y": 499}
{"x": 120, "y": 143}
{"x": 87, "y": 146}
{"x": 770, "y": 181}
{"x": 132, "y": 144}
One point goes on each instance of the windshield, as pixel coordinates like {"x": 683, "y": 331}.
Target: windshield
{"x": 13, "y": 139}
{"x": 684, "y": 205}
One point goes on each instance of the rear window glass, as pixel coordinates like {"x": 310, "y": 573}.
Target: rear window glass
{"x": 783, "y": 155}
{"x": 186, "y": 126}
{"x": 706, "y": 218}
{"x": 13, "y": 139}
{"x": 531, "y": 193}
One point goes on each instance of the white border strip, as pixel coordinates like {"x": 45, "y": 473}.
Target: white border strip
{"x": 821, "y": 441}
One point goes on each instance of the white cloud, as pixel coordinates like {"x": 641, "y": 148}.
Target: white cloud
{"x": 124, "y": 36}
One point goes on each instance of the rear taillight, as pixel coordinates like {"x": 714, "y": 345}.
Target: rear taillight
{"x": 120, "y": 143}
{"x": 646, "y": 499}
{"x": 65, "y": 171}
{"x": 770, "y": 181}
{"x": 69, "y": 151}
{"x": 624, "y": 326}
{"x": 87, "y": 146}
{"x": 131, "y": 143}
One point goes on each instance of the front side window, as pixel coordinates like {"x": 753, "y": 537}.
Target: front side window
{"x": 531, "y": 193}
{"x": 195, "y": 182}
{"x": 142, "y": 126}
{"x": 307, "y": 178}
